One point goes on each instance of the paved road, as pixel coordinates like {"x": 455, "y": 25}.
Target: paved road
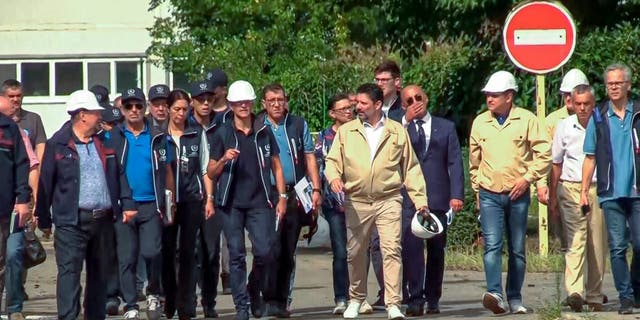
{"x": 313, "y": 295}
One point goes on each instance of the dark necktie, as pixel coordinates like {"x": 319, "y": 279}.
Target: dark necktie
{"x": 421, "y": 146}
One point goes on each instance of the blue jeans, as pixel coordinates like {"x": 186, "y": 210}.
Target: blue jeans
{"x": 13, "y": 272}
{"x": 618, "y": 214}
{"x": 498, "y": 214}
{"x": 338, "y": 235}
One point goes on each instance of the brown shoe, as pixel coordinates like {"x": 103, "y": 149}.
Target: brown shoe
{"x": 575, "y": 302}
{"x": 595, "y": 307}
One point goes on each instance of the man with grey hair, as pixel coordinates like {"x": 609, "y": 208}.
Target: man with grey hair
{"x": 612, "y": 147}
{"x": 585, "y": 231}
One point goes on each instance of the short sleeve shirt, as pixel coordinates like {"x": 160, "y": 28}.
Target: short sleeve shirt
{"x": 31, "y": 123}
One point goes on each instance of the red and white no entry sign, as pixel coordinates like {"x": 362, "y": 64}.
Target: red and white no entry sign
{"x": 539, "y": 36}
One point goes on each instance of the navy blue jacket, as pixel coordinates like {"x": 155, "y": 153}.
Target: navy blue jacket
{"x": 14, "y": 167}
{"x": 604, "y": 153}
{"x": 442, "y": 163}
{"x": 59, "y": 180}
{"x": 396, "y": 112}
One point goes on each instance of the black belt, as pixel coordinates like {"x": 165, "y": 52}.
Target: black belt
{"x": 97, "y": 213}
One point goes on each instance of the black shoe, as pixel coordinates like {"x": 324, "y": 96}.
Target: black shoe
{"x": 274, "y": 310}
{"x": 415, "y": 310}
{"x": 142, "y": 296}
{"x": 257, "y": 307}
{"x": 433, "y": 308}
{"x": 242, "y": 315}
{"x": 626, "y": 306}
{"x": 113, "y": 306}
{"x": 169, "y": 309}
{"x": 575, "y": 302}
{"x": 210, "y": 313}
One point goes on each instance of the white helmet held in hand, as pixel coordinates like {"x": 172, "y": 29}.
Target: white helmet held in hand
{"x": 426, "y": 226}
{"x": 572, "y": 79}
{"x": 241, "y": 91}
{"x": 499, "y": 82}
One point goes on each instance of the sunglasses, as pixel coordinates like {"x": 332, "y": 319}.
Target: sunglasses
{"x": 416, "y": 98}
{"x": 130, "y": 106}
{"x": 206, "y": 97}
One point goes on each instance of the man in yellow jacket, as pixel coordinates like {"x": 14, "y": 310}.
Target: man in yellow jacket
{"x": 371, "y": 159}
{"x": 508, "y": 150}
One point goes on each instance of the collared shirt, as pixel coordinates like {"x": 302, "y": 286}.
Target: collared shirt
{"x": 426, "y": 126}
{"x": 567, "y": 149}
{"x": 139, "y": 168}
{"x": 500, "y": 154}
{"x": 33, "y": 158}
{"x": 387, "y": 106}
{"x": 31, "y": 123}
{"x": 286, "y": 154}
{"x": 552, "y": 120}
{"x": 94, "y": 193}
{"x": 373, "y": 135}
{"x": 622, "y": 152}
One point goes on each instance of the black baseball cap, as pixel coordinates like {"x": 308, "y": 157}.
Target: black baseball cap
{"x": 133, "y": 93}
{"x": 101, "y": 92}
{"x": 110, "y": 113}
{"x": 199, "y": 88}
{"x": 159, "y": 91}
{"x": 217, "y": 78}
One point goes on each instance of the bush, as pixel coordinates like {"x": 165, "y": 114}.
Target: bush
{"x": 464, "y": 230}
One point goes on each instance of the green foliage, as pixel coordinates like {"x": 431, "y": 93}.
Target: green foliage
{"x": 465, "y": 227}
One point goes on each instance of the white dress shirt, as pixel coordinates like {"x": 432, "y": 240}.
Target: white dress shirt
{"x": 373, "y": 135}
{"x": 567, "y": 149}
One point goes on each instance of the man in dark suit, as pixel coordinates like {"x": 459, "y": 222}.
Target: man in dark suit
{"x": 437, "y": 147}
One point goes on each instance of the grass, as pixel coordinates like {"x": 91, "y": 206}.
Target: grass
{"x": 472, "y": 260}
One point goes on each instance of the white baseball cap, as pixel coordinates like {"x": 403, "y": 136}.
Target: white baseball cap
{"x": 572, "y": 79}
{"x": 241, "y": 91}
{"x": 501, "y": 81}
{"x": 82, "y": 100}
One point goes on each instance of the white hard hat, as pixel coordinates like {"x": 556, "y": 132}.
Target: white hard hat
{"x": 82, "y": 100}
{"x": 501, "y": 81}
{"x": 425, "y": 227}
{"x": 241, "y": 91}
{"x": 572, "y": 79}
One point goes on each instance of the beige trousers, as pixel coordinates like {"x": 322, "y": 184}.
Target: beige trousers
{"x": 386, "y": 216}
{"x": 587, "y": 242}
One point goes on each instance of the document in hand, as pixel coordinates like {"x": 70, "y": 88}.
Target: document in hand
{"x": 304, "y": 190}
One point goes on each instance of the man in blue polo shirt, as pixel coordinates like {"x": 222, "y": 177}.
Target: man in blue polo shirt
{"x": 298, "y": 159}
{"x": 611, "y": 144}
{"x": 142, "y": 151}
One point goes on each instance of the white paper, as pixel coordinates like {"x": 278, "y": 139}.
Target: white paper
{"x": 450, "y": 215}
{"x": 168, "y": 205}
{"x": 304, "y": 190}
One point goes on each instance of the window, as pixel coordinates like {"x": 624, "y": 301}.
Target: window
{"x": 180, "y": 80}
{"x": 99, "y": 73}
{"x": 35, "y": 78}
{"x": 8, "y": 71}
{"x": 126, "y": 75}
{"x": 68, "y": 77}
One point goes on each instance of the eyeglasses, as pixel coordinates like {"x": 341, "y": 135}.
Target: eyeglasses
{"x": 615, "y": 84}
{"x": 416, "y": 98}
{"x": 130, "y": 106}
{"x": 382, "y": 80}
{"x": 276, "y": 101}
{"x": 206, "y": 97}
{"x": 348, "y": 109}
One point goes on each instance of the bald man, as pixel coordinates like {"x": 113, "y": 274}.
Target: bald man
{"x": 437, "y": 147}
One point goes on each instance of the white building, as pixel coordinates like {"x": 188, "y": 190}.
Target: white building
{"x": 57, "y": 47}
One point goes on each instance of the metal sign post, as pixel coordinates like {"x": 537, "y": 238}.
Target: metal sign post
{"x": 543, "y": 216}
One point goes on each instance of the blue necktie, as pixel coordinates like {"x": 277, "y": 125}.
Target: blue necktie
{"x": 421, "y": 146}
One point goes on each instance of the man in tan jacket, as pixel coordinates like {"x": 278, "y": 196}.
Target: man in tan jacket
{"x": 370, "y": 160}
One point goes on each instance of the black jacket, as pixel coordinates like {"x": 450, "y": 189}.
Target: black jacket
{"x": 59, "y": 180}
{"x": 158, "y": 152}
{"x": 186, "y": 166}
{"x": 14, "y": 167}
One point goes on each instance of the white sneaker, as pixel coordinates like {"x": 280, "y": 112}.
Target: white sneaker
{"x": 366, "y": 308}
{"x": 517, "y": 308}
{"x": 495, "y": 303}
{"x": 132, "y": 314}
{"x": 154, "y": 312}
{"x": 352, "y": 310}
{"x": 394, "y": 313}
{"x": 340, "y": 307}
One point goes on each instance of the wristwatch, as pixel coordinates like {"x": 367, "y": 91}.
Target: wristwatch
{"x": 284, "y": 196}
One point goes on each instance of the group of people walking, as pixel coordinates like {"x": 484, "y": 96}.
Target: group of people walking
{"x": 165, "y": 194}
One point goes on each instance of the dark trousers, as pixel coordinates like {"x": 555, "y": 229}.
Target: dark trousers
{"x": 142, "y": 236}
{"x": 260, "y": 224}
{"x": 210, "y": 260}
{"x": 375, "y": 255}
{"x": 180, "y": 293}
{"x": 422, "y": 284}
{"x": 338, "y": 236}
{"x": 635, "y": 276}
{"x": 113, "y": 276}
{"x": 284, "y": 250}
{"x": 88, "y": 240}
